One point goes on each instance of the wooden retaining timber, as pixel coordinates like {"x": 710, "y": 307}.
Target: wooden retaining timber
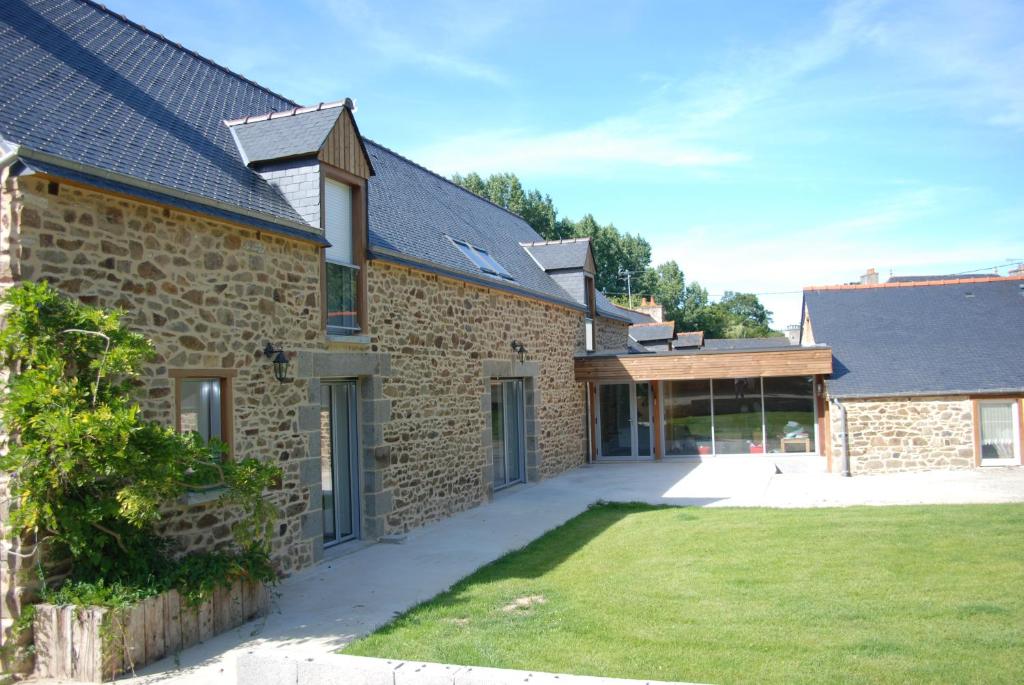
{"x": 90, "y": 644}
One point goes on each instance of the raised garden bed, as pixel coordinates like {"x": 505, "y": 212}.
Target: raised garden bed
{"x": 91, "y": 644}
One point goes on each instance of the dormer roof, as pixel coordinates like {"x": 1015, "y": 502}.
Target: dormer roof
{"x": 303, "y": 132}
{"x": 563, "y": 255}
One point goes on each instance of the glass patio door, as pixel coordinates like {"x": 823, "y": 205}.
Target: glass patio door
{"x": 624, "y": 420}
{"x": 339, "y": 476}
{"x": 507, "y": 436}
{"x": 999, "y": 432}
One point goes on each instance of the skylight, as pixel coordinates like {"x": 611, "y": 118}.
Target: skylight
{"x": 483, "y": 260}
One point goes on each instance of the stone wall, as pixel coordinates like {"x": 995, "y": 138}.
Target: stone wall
{"x": 439, "y": 333}
{"x": 610, "y": 334}
{"x": 209, "y": 295}
{"x": 916, "y": 434}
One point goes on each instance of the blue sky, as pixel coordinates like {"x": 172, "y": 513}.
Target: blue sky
{"x": 763, "y": 146}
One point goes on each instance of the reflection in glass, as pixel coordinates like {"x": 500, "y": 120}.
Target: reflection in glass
{"x": 616, "y": 437}
{"x": 789, "y": 413}
{"x": 687, "y": 417}
{"x": 738, "y": 428}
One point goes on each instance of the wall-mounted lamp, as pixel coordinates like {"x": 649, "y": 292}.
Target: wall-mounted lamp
{"x": 280, "y": 359}
{"x": 520, "y": 349}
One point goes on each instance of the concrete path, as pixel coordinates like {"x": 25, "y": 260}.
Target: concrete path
{"x": 324, "y": 607}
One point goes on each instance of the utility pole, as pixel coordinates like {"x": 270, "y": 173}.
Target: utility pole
{"x": 628, "y": 275}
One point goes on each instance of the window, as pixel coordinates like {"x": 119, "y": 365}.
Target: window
{"x": 342, "y": 296}
{"x": 590, "y": 300}
{"x": 998, "y": 426}
{"x": 203, "y": 402}
{"x": 483, "y": 260}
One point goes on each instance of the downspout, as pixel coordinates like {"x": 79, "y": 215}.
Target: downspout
{"x": 844, "y": 463}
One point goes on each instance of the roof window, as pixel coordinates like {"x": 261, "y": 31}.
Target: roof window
{"x": 483, "y": 260}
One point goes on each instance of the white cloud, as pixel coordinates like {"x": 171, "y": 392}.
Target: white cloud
{"x": 448, "y": 31}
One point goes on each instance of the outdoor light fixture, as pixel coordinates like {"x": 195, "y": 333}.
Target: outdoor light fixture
{"x": 520, "y": 349}
{"x": 280, "y": 360}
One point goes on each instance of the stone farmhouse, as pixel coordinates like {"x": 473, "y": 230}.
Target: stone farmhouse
{"x": 402, "y": 348}
{"x": 928, "y": 371}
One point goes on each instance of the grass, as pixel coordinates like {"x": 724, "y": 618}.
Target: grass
{"x": 858, "y": 595}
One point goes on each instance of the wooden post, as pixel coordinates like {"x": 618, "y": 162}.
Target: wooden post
{"x": 659, "y": 448}
{"x": 236, "y": 616}
{"x": 172, "y": 622}
{"x": 189, "y": 625}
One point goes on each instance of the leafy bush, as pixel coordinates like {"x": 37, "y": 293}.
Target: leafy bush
{"x": 90, "y": 475}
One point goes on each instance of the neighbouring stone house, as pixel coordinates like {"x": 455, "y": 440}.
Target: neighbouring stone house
{"x": 928, "y": 371}
{"x": 430, "y": 334}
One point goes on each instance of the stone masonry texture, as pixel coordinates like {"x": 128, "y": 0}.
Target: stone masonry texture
{"x": 210, "y": 295}
{"x": 915, "y": 434}
{"x": 438, "y": 333}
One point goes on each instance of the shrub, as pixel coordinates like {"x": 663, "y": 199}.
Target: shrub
{"x": 89, "y": 474}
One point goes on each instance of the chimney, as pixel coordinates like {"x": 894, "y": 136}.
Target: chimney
{"x": 651, "y": 308}
{"x": 869, "y": 278}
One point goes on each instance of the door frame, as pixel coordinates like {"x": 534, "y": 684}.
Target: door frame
{"x": 351, "y": 386}
{"x": 634, "y": 429}
{"x": 1017, "y": 420}
{"x": 521, "y": 441}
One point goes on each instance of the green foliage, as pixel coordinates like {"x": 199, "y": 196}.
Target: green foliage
{"x": 737, "y": 315}
{"x": 90, "y": 475}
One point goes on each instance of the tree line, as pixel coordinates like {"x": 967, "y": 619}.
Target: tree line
{"x": 735, "y": 315}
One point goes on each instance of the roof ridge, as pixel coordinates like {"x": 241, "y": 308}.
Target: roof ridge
{"x": 912, "y": 284}
{"x": 179, "y": 46}
{"x": 560, "y": 241}
{"x": 449, "y": 181}
{"x": 347, "y": 103}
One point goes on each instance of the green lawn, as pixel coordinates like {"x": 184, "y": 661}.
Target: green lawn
{"x": 863, "y": 595}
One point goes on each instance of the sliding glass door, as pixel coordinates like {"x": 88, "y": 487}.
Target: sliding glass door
{"x": 624, "y": 418}
{"x": 739, "y": 416}
{"x": 339, "y": 476}
{"x": 507, "y": 434}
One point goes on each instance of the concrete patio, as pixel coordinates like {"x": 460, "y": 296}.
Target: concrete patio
{"x": 362, "y": 587}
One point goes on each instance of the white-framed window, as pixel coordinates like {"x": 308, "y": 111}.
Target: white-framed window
{"x": 342, "y": 291}
{"x": 998, "y": 432}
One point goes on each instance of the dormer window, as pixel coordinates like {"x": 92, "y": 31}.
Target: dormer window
{"x": 342, "y": 266}
{"x": 483, "y": 260}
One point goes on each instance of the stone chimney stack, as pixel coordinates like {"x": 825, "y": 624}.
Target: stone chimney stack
{"x": 869, "y": 278}
{"x": 651, "y": 308}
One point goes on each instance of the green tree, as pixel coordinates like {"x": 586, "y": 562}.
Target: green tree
{"x": 748, "y": 318}
{"x": 505, "y": 190}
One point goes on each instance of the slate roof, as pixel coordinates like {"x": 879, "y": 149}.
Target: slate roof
{"x": 609, "y": 309}
{"x": 648, "y": 332}
{"x": 633, "y": 315}
{"x": 413, "y": 211}
{"x": 941, "y": 277}
{"x": 962, "y": 337}
{"x": 688, "y": 339}
{"x": 82, "y": 85}
{"x": 89, "y": 86}
{"x": 745, "y": 343}
{"x": 560, "y": 254}
{"x": 296, "y": 135}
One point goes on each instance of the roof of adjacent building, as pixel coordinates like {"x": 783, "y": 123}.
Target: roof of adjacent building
{"x": 649, "y": 332}
{"x": 688, "y": 339}
{"x": 555, "y": 255}
{"x": 89, "y": 94}
{"x": 633, "y": 315}
{"x": 89, "y": 86}
{"x": 294, "y": 133}
{"x": 938, "y": 277}
{"x": 746, "y": 343}
{"x": 904, "y": 339}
